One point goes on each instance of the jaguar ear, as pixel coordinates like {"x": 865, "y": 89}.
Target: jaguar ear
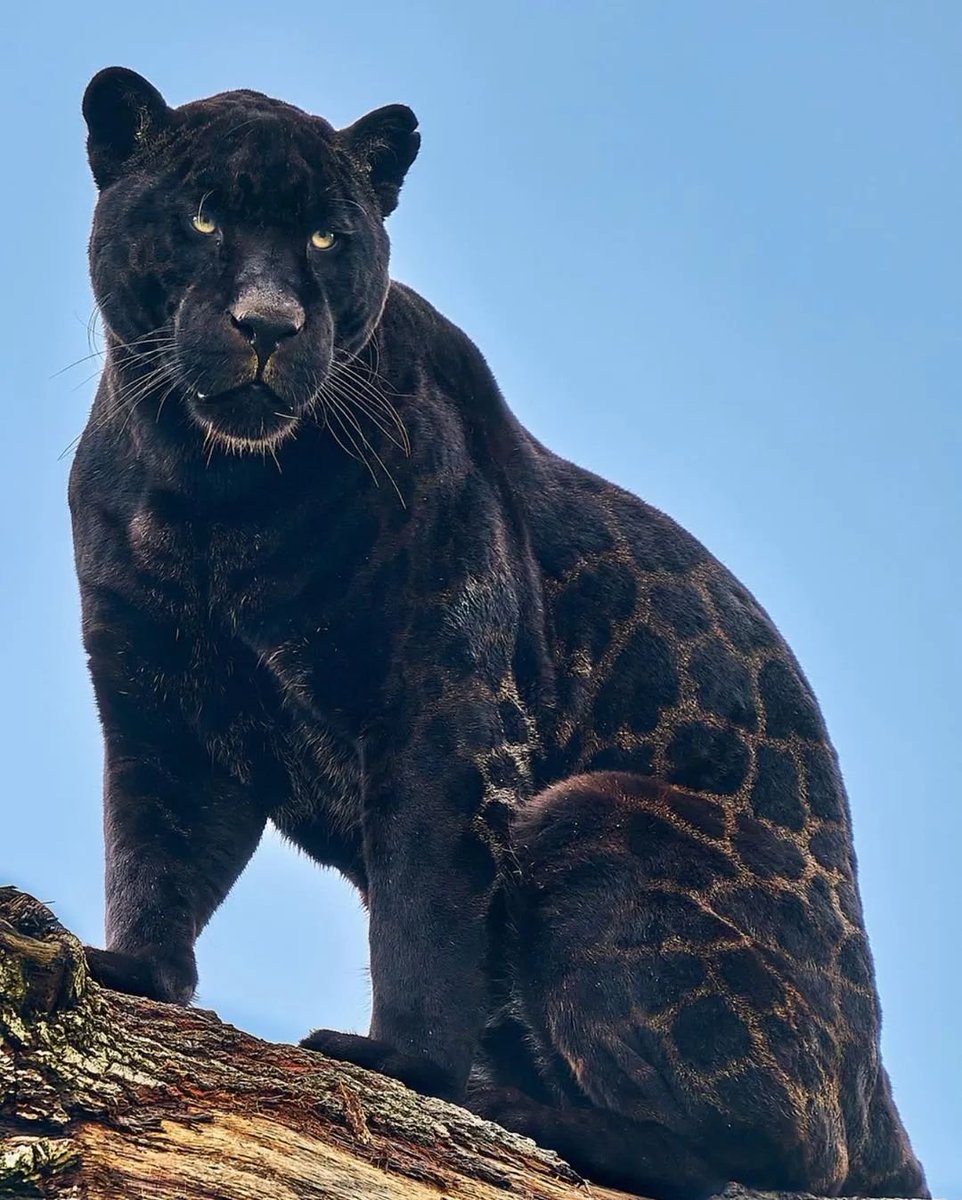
{"x": 123, "y": 113}
{"x": 384, "y": 143}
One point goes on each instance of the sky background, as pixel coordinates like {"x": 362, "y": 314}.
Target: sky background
{"x": 711, "y": 251}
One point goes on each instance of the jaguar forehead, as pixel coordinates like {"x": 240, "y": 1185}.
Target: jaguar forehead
{"x": 268, "y": 160}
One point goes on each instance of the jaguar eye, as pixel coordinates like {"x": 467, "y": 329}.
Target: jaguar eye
{"x": 203, "y": 224}
{"x": 321, "y": 240}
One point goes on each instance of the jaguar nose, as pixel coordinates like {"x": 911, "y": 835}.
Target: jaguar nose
{"x": 267, "y": 325}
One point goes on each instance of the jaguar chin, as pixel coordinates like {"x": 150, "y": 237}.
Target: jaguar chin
{"x": 251, "y": 418}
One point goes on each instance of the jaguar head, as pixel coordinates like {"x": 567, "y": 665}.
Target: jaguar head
{"x": 238, "y": 251}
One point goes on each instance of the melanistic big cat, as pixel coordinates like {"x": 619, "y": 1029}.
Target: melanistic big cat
{"x": 330, "y": 582}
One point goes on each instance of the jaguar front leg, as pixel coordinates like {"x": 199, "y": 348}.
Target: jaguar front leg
{"x": 179, "y": 827}
{"x": 433, "y": 866}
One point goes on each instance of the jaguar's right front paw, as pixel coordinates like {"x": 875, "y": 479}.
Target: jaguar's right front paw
{"x": 158, "y": 977}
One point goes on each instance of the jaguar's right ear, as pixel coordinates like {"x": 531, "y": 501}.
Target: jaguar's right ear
{"x": 123, "y": 113}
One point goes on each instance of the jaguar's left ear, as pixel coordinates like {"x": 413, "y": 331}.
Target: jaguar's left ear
{"x": 384, "y": 143}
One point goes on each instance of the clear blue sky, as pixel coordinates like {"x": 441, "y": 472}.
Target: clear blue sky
{"x": 712, "y": 251}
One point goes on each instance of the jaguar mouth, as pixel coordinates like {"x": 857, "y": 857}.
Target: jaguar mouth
{"x": 251, "y": 417}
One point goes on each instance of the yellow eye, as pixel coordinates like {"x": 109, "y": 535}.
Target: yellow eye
{"x": 322, "y": 241}
{"x": 204, "y": 224}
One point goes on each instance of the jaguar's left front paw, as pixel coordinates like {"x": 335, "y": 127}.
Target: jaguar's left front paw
{"x": 417, "y": 1073}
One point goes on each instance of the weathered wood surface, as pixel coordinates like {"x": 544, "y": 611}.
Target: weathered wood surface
{"x": 105, "y": 1097}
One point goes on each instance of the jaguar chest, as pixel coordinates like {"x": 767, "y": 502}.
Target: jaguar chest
{"x": 315, "y": 615}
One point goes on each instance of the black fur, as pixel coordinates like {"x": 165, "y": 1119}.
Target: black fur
{"x": 329, "y": 581}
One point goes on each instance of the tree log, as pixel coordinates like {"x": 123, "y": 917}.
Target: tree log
{"x": 108, "y": 1097}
